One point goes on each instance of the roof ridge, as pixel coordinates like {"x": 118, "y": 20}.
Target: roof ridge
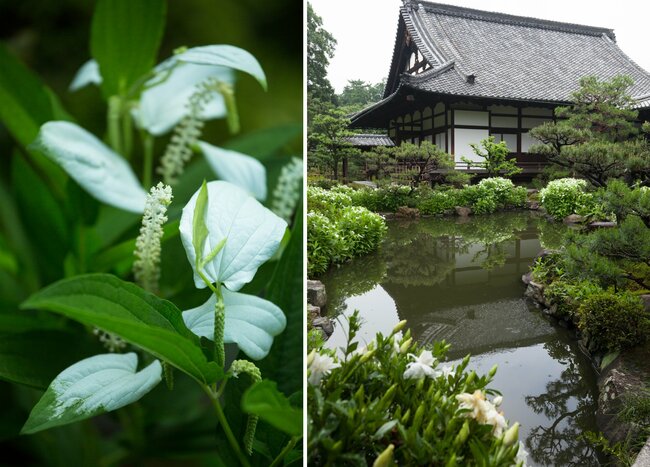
{"x": 431, "y": 73}
{"x": 496, "y": 17}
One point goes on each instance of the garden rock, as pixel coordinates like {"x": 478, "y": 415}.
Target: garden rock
{"x": 313, "y": 312}
{"x": 573, "y": 219}
{"x": 463, "y": 211}
{"x": 407, "y": 213}
{"x": 526, "y": 278}
{"x": 324, "y": 324}
{"x": 532, "y": 205}
{"x": 535, "y": 291}
{"x": 316, "y": 294}
{"x": 646, "y": 302}
{"x": 643, "y": 459}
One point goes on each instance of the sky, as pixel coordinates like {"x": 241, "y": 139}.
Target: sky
{"x": 365, "y": 29}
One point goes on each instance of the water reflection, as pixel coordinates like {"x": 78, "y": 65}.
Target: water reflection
{"x": 461, "y": 281}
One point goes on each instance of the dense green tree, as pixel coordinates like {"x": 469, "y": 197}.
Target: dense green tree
{"x": 328, "y": 141}
{"x": 596, "y": 137}
{"x": 357, "y": 94}
{"x": 320, "y": 49}
{"x": 422, "y": 161}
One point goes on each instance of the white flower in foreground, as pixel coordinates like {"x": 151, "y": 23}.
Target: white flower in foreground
{"x": 252, "y": 234}
{"x": 522, "y": 455}
{"x": 421, "y": 367}
{"x": 320, "y": 366}
{"x": 147, "y": 246}
{"x": 447, "y": 370}
{"x": 497, "y": 420}
{"x": 483, "y": 411}
{"x": 98, "y": 169}
{"x": 497, "y": 401}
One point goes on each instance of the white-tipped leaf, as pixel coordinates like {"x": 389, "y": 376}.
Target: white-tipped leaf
{"x": 234, "y": 167}
{"x": 91, "y": 387}
{"x": 163, "y": 105}
{"x": 87, "y": 74}
{"x": 251, "y": 322}
{"x": 252, "y": 234}
{"x": 99, "y": 170}
{"x": 225, "y": 55}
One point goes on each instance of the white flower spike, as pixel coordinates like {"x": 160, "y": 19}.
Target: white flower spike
{"x": 251, "y": 232}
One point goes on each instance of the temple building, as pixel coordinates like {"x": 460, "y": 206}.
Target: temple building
{"x": 459, "y": 75}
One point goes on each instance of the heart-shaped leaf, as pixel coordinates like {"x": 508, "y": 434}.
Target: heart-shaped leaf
{"x": 237, "y": 168}
{"x": 252, "y": 233}
{"x": 91, "y": 387}
{"x": 251, "y": 322}
{"x": 99, "y": 170}
{"x": 225, "y": 55}
{"x": 163, "y": 105}
{"x": 138, "y": 317}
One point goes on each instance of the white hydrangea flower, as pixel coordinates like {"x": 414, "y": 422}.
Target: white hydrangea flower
{"x": 320, "y": 366}
{"x": 146, "y": 267}
{"x": 287, "y": 191}
{"x": 421, "y": 367}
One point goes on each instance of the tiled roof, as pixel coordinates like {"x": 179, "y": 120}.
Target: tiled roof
{"x": 370, "y": 140}
{"x": 510, "y": 57}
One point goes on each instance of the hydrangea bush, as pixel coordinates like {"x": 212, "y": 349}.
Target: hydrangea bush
{"x": 564, "y": 196}
{"x": 392, "y": 401}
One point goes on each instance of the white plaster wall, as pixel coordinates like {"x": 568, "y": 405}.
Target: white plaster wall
{"x": 462, "y": 139}
{"x": 471, "y": 117}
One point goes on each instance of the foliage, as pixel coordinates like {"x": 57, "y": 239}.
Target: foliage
{"x": 595, "y": 137}
{"x": 320, "y": 49}
{"x": 338, "y": 231}
{"x": 422, "y": 161}
{"x": 439, "y": 202}
{"x": 367, "y": 406}
{"x": 327, "y": 142}
{"x": 71, "y": 211}
{"x": 624, "y": 201}
{"x": 569, "y": 295}
{"x": 492, "y": 194}
{"x": 564, "y": 196}
{"x": 495, "y": 158}
{"x": 613, "y": 321}
{"x": 357, "y": 94}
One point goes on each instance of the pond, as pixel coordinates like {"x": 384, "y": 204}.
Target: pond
{"x": 459, "y": 279}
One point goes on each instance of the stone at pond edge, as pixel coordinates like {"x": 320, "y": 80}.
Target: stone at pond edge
{"x": 602, "y": 225}
{"x": 646, "y": 302}
{"x": 324, "y": 324}
{"x": 407, "y": 213}
{"x": 535, "y": 291}
{"x": 313, "y": 312}
{"x": 532, "y": 205}
{"x": 462, "y": 211}
{"x": 573, "y": 219}
{"x": 316, "y": 294}
{"x": 526, "y": 278}
{"x": 643, "y": 459}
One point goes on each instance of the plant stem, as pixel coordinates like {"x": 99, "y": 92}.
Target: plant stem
{"x": 113, "y": 117}
{"x": 127, "y": 132}
{"x": 226, "y": 427}
{"x": 292, "y": 442}
{"x": 147, "y": 166}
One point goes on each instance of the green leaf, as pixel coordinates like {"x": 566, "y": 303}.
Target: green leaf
{"x": 95, "y": 385}
{"x": 264, "y": 400}
{"x": 284, "y": 362}
{"x": 25, "y": 104}
{"x": 34, "y": 357}
{"x": 141, "y": 318}
{"x": 228, "y": 56}
{"x": 125, "y": 36}
{"x": 199, "y": 229}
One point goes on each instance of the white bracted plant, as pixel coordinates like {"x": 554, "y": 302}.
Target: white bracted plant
{"x": 227, "y": 236}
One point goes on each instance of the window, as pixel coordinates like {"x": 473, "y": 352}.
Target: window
{"x": 509, "y": 138}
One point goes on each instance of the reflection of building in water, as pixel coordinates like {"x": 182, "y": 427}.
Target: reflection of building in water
{"x": 476, "y": 306}
{"x": 480, "y": 328}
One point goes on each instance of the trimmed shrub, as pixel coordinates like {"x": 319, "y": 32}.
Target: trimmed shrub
{"x": 326, "y": 201}
{"x": 324, "y": 243}
{"x": 361, "y": 229}
{"x": 613, "y": 321}
{"x": 439, "y": 202}
{"x": 565, "y": 196}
